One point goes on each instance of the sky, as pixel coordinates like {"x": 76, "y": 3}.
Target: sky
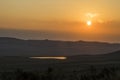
{"x": 61, "y": 19}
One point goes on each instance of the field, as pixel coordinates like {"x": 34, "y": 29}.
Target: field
{"x": 76, "y": 67}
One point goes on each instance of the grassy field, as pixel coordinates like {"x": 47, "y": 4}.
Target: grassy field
{"x": 9, "y": 63}
{"x": 73, "y": 68}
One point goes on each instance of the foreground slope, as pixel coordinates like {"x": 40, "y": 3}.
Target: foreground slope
{"x": 71, "y": 63}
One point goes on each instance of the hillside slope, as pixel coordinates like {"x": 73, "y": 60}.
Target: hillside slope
{"x": 19, "y": 47}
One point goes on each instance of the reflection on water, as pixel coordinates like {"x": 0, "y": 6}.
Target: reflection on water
{"x": 60, "y": 58}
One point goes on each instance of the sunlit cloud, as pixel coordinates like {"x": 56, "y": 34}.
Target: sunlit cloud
{"x": 91, "y": 15}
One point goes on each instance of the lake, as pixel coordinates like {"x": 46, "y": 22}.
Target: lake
{"x": 59, "y": 58}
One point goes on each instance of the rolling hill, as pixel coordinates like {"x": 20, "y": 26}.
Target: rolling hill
{"x": 18, "y": 47}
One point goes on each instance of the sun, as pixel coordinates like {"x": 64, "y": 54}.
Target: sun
{"x": 89, "y": 23}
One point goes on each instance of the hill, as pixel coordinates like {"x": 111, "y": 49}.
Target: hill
{"x": 18, "y": 47}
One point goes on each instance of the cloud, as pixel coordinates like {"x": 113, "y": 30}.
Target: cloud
{"x": 91, "y": 15}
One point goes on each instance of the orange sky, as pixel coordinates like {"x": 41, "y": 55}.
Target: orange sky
{"x": 61, "y": 17}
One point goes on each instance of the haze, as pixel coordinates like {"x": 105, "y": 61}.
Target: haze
{"x": 61, "y": 19}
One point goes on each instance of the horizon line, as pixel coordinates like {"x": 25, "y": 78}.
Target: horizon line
{"x": 62, "y": 40}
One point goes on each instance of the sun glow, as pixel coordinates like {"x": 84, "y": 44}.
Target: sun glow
{"x": 90, "y": 18}
{"x": 89, "y": 23}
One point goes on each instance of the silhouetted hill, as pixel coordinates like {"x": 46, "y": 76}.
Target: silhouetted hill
{"x": 109, "y": 58}
{"x": 113, "y": 54}
{"x": 19, "y": 47}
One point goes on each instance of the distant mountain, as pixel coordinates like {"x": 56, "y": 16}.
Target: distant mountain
{"x": 19, "y": 47}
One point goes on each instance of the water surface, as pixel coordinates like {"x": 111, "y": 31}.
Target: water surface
{"x": 60, "y": 58}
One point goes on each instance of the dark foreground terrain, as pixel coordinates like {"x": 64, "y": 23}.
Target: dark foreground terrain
{"x": 99, "y": 67}
{"x": 16, "y": 64}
